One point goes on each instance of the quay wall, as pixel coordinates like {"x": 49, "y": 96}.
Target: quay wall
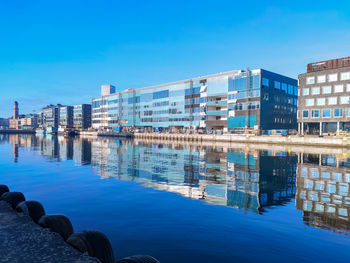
{"x": 264, "y": 139}
{"x": 11, "y": 131}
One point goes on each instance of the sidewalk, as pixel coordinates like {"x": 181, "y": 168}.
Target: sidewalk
{"x": 21, "y": 240}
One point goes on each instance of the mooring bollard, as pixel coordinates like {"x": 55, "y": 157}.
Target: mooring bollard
{"x": 33, "y": 209}
{"x": 13, "y": 198}
{"x": 3, "y": 189}
{"x": 95, "y": 243}
{"x": 139, "y": 259}
{"x": 57, "y": 223}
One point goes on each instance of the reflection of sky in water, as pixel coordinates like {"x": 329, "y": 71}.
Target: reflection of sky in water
{"x": 289, "y": 189}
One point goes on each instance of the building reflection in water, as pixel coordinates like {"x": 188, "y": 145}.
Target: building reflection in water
{"x": 251, "y": 180}
{"x": 323, "y": 191}
{"x": 247, "y": 178}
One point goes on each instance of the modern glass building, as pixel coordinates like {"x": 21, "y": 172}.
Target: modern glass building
{"x": 66, "y": 116}
{"x": 82, "y": 116}
{"x": 49, "y": 116}
{"x": 231, "y": 101}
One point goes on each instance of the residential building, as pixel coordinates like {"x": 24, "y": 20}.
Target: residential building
{"x": 234, "y": 101}
{"x": 82, "y": 116}
{"x": 49, "y": 116}
{"x": 262, "y": 100}
{"x": 324, "y": 97}
{"x": 66, "y": 117}
{"x": 29, "y": 122}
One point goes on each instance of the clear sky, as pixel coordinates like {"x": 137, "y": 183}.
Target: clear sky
{"x": 62, "y": 51}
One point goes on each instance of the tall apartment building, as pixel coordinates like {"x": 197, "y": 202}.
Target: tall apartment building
{"x": 233, "y": 101}
{"x": 324, "y": 97}
{"x": 66, "y": 117}
{"x": 82, "y": 116}
{"x": 49, "y": 116}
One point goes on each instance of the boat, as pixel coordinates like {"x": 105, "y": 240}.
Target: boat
{"x": 40, "y": 131}
{"x": 51, "y": 130}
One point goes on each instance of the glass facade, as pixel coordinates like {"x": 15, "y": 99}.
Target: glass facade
{"x": 82, "y": 116}
{"x": 66, "y": 116}
{"x": 198, "y": 103}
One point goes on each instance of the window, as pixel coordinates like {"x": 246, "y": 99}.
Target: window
{"x": 265, "y": 82}
{"x": 305, "y": 114}
{"x": 332, "y": 101}
{"x": 296, "y": 93}
{"x": 315, "y": 91}
{"x": 338, "y": 113}
{"x": 345, "y": 76}
{"x": 338, "y": 88}
{"x": 315, "y": 113}
{"x": 344, "y": 100}
{"x": 310, "y": 80}
{"x": 284, "y": 87}
{"x": 347, "y": 112}
{"x": 266, "y": 96}
{"x": 321, "y": 79}
{"x": 290, "y": 89}
{"x": 161, "y": 94}
{"x": 309, "y": 102}
{"x": 277, "y": 85}
{"x": 326, "y": 113}
{"x": 333, "y": 77}
{"x": 321, "y": 101}
{"x": 326, "y": 89}
{"x": 347, "y": 87}
{"x": 305, "y": 92}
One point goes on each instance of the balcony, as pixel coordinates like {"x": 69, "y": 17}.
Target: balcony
{"x": 216, "y": 123}
{"x": 217, "y": 112}
{"x": 219, "y": 102}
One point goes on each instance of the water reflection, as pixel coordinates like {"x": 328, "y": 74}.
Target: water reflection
{"x": 249, "y": 178}
{"x": 323, "y": 191}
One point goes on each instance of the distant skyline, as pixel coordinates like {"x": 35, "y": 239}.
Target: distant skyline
{"x": 63, "y": 51}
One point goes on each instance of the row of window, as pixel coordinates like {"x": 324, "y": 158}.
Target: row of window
{"x": 243, "y": 106}
{"x": 326, "y": 90}
{"x": 166, "y": 119}
{"x": 330, "y": 101}
{"x": 326, "y": 113}
{"x": 290, "y": 89}
{"x": 240, "y": 83}
{"x": 329, "y": 78}
{"x": 283, "y": 120}
{"x": 244, "y": 94}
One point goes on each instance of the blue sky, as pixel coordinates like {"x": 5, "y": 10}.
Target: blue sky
{"x": 62, "y": 51}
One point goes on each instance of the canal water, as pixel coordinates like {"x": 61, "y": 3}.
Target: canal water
{"x": 187, "y": 202}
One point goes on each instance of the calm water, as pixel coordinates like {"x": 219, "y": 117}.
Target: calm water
{"x": 188, "y": 203}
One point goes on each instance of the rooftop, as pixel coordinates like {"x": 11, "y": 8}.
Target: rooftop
{"x": 328, "y": 64}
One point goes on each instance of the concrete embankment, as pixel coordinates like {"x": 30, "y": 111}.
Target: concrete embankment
{"x": 12, "y": 131}
{"x": 24, "y": 241}
{"x": 333, "y": 141}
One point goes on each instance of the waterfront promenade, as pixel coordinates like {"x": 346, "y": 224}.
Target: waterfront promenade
{"x": 21, "y": 240}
